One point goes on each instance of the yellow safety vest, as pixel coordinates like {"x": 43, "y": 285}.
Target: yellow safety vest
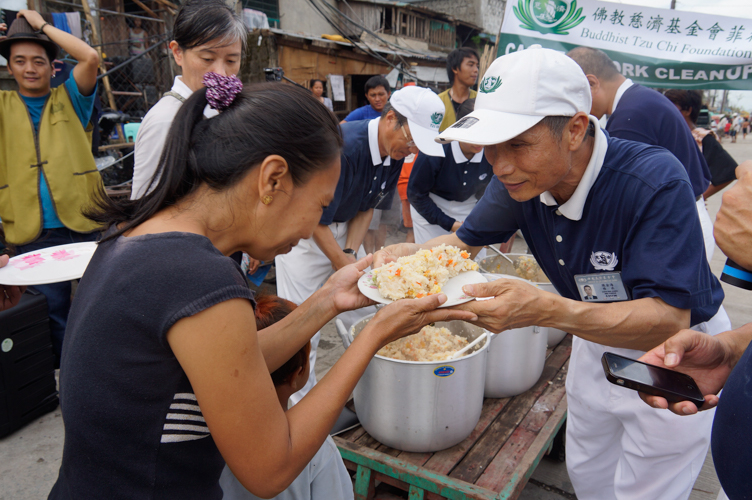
{"x": 449, "y": 116}
{"x": 61, "y": 151}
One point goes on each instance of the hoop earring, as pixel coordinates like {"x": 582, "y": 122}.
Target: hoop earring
{"x": 267, "y": 200}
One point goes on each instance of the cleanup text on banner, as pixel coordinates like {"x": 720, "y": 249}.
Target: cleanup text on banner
{"x": 655, "y": 47}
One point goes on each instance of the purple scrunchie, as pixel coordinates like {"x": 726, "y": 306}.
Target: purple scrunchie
{"x": 221, "y": 90}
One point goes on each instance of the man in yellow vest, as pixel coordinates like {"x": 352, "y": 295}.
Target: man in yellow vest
{"x": 462, "y": 70}
{"x": 47, "y": 172}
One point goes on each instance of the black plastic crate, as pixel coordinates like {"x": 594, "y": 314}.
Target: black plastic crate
{"x": 27, "y": 363}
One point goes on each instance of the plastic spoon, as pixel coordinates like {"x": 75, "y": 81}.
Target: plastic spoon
{"x": 469, "y": 346}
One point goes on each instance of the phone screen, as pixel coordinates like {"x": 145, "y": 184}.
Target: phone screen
{"x": 655, "y": 376}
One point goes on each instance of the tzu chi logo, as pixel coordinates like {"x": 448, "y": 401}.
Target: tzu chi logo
{"x": 490, "y": 84}
{"x": 603, "y": 261}
{"x": 437, "y": 118}
{"x": 556, "y": 17}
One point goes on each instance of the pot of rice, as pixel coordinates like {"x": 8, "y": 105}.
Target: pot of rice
{"x": 526, "y": 267}
{"x": 413, "y": 397}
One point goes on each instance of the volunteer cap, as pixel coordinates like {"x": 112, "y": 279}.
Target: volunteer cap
{"x": 424, "y": 111}
{"x": 517, "y": 91}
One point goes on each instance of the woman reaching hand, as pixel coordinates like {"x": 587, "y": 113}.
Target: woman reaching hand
{"x": 164, "y": 376}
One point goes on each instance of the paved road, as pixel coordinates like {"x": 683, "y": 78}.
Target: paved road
{"x": 30, "y": 457}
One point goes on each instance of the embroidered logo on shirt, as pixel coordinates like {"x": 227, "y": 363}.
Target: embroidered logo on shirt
{"x": 184, "y": 422}
{"x": 57, "y": 107}
{"x": 603, "y": 261}
{"x": 483, "y": 176}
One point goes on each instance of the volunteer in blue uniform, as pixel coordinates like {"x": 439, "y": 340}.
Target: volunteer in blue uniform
{"x": 443, "y": 191}
{"x": 644, "y": 115}
{"x": 595, "y": 210}
{"x": 371, "y": 162}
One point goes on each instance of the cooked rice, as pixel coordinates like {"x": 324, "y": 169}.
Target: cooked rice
{"x": 527, "y": 268}
{"x": 429, "y": 344}
{"x": 423, "y": 273}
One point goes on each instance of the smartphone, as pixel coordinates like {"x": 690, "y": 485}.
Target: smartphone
{"x": 650, "y": 379}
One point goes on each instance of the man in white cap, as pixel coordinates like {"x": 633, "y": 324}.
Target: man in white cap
{"x": 371, "y": 163}
{"x": 595, "y": 211}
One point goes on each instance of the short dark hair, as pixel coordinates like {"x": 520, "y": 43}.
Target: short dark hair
{"x": 594, "y": 62}
{"x": 455, "y": 58}
{"x": 269, "y": 310}
{"x": 201, "y": 21}
{"x": 264, "y": 119}
{"x": 313, "y": 82}
{"x": 465, "y": 108}
{"x": 687, "y": 100}
{"x": 401, "y": 119}
{"x": 557, "y": 124}
{"x": 377, "y": 81}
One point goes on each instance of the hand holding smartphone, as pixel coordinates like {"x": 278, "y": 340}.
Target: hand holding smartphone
{"x": 654, "y": 380}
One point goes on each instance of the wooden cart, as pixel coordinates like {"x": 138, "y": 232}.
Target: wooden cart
{"x": 494, "y": 462}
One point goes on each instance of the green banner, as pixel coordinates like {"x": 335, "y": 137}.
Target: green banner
{"x": 654, "y": 47}
{"x": 652, "y": 72}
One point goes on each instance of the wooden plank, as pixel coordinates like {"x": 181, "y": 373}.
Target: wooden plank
{"x": 546, "y": 404}
{"x": 389, "y": 451}
{"x": 415, "y": 493}
{"x": 444, "y": 461}
{"x": 368, "y": 441}
{"x": 146, "y": 9}
{"x": 364, "y": 483}
{"x": 514, "y": 483}
{"x": 499, "y": 472}
{"x": 483, "y": 451}
{"x": 411, "y": 474}
{"x": 415, "y": 458}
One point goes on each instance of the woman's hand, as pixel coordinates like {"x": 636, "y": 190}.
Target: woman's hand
{"x": 342, "y": 287}
{"x": 705, "y": 358}
{"x": 393, "y": 252}
{"x": 3, "y": 27}
{"x": 514, "y": 304}
{"x": 408, "y": 316}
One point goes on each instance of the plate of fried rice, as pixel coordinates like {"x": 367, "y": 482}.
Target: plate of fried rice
{"x": 442, "y": 269}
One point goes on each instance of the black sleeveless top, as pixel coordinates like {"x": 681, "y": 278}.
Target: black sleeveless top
{"x": 133, "y": 427}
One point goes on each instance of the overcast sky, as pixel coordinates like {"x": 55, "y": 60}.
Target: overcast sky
{"x": 731, "y": 8}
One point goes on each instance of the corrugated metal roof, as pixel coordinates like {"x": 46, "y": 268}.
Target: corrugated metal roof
{"x": 426, "y": 55}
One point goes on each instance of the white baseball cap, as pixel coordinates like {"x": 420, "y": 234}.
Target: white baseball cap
{"x": 517, "y": 91}
{"x": 424, "y": 111}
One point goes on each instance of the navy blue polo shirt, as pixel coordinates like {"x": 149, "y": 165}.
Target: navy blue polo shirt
{"x": 452, "y": 177}
{"x": 366, "y": 180}
{"x": 647, "y": 116}
{"x": 640, "y": 208}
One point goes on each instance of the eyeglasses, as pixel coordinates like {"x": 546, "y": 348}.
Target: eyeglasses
{"x": 410, "y": 142}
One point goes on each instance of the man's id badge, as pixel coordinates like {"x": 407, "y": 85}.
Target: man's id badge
{"x": 601, "y": 287}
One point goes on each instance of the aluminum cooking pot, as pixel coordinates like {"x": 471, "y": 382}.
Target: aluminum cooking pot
{"x": 515, "y": 361}
{"x": 422, "y": 406}
{"x": 499, "y": 265}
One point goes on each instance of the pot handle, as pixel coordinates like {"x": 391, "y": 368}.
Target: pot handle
{"x": 342, "y": 331}
{"x": 489, "y": 337}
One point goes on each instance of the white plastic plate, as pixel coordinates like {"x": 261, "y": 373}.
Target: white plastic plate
{"x": 452, "y": 289}
{"x": 48, "y": 265}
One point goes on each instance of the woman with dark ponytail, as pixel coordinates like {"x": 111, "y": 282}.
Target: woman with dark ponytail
{"x": 164, "y": 377}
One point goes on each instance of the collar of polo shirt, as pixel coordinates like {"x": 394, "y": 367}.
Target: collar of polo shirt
{"x": 373, "y": 143}
{"x": 620, "y": 92}
{"x": 459, "y": 156}
{"x": 575, "y": 205}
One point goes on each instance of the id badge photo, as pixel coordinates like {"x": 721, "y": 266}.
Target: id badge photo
{"x": 601, "y": 287}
